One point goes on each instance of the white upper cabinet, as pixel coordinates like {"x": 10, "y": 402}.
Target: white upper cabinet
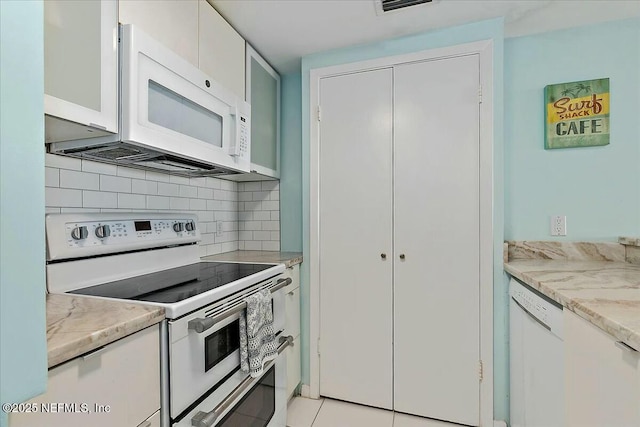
{"x": 174, "y": 23}
{"x": 263, "y": 93}
{"x": 81, "y": 69}
{"x": 221, "y": 50}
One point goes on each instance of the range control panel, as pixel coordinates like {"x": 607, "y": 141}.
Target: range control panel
{"x": 121, "y": 232}
{"x": 89, "y": 234}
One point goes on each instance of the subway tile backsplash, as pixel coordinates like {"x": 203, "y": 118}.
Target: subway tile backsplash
{"x": 259, "y": 215}
{"x": 249, "y": 211}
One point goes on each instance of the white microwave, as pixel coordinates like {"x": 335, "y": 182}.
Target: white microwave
{"x": 173, "y": 117}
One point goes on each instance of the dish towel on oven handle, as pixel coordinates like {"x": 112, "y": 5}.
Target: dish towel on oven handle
{"x": 258, "y": 342}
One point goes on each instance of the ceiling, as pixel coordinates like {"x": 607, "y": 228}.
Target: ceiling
{"x": 283, "y": 31}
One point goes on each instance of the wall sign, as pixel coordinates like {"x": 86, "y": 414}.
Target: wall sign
{"x": 577, "y": 114}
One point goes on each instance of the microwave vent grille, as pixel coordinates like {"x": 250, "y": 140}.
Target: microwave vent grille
{"x": 393, "y": 5}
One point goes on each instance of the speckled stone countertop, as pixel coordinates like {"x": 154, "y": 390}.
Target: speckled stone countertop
{"x": 270, "y": 257}
{"x": 77, "y": 325}
{"x": 604, "y": 292}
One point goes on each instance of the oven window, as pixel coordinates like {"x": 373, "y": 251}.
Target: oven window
{"x": 256, "y": 407}
{"x": 220, "y": 344}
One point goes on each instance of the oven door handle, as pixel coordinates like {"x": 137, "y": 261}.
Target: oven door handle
{"x": 202, "y": 324}
{"x": 207, "y": 419}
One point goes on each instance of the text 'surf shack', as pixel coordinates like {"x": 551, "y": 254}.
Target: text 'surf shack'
{"x": 577, "y": 114}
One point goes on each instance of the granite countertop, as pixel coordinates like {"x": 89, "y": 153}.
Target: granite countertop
{"x": 289, "y": 259}
{"x": 605, "y": 293}
{"x": 77, "y": 325}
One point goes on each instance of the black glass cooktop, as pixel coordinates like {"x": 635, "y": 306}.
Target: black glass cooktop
{"x": 175, "y": 284}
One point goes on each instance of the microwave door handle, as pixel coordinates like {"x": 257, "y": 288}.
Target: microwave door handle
{"x": 234, "y": 147}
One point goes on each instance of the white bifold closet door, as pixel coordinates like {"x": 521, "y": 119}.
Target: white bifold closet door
{"x": 355, "y": 230}
{"x": 399, "y": 238}
{"x": 436, "y": 222}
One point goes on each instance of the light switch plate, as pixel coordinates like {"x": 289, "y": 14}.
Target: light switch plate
{"x": 219, "y": 231}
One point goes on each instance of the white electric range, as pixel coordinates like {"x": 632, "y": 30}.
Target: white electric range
{"x": 153, "y": 259}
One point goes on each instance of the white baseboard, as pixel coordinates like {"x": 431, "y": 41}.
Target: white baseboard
{"x": 305, "y": 391}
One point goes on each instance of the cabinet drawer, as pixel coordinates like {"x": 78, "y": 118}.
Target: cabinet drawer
{"x": 292, "y": 273}
{"x": 117, "y": 385}
{"x": 293, "y": 366}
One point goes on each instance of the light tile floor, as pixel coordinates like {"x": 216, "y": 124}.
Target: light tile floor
{"x": 304, "y": 412}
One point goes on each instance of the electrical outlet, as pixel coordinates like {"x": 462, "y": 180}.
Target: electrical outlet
{"x": 219, "y": 229}
{"x": 559, "y": 225}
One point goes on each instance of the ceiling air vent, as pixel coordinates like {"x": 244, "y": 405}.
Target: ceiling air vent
{"x": 383, "y": 6}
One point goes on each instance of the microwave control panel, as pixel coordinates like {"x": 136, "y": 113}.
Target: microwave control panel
{"x": 243, "y": 137}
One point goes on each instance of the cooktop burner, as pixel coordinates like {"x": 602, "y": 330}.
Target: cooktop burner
{"x": 176, "y": 284}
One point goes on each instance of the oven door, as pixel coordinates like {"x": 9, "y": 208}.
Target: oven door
{"x": 242, "y": 401}
{"x": 169, "y": 105}
{"x": 200, "y": 361}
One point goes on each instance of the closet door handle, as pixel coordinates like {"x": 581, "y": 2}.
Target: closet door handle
{"x": 402, "y": 256}
{"x": 383, "y": 256}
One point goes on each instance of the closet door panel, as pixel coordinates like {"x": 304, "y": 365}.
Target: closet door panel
{"x": 436, "y": 226}
{"x": 355, "y": 230}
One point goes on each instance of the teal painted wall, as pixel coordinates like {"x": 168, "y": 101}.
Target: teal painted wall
{"x": 23, "y": 352}
{"x": 491, "y": 29}
{"x": 597, "y": 188}
{"x": 291, "y": 161}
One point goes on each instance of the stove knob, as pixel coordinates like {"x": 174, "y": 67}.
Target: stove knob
{"x": 102, "y": 231}
{"x": 190, "y": 226}
{"x": 178, "y": 227}
{"x": 79, "y": 233}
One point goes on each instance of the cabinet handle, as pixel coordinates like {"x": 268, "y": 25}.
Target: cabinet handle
{"x": 94, "y": 353}
{"x": 290, "y": 293}
{"x": 97, "y": 126}
{"x": 146, "y": 423}
{"x": 383, "y": 256}
{"x": 402, "y": 256}
{"x": 625, "y": 346}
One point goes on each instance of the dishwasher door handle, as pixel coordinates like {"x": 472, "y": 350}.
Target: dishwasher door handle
{"x": 547, "y": 327}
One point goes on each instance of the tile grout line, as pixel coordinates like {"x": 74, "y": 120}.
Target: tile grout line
{"x": 317, "y": 413}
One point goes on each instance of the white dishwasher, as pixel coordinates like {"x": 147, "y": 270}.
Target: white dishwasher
{"x": 537, "y": 357}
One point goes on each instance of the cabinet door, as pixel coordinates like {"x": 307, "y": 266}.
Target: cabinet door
{"x": 118, "y": 385}
{"x": 355, "y": 238}
{"x": 293, "y": 366}
{"x": 601, "y": 379}
{"x": 221, "y": 50}
{"x": 437, "y": 233}
{"x": 174, "y": 23}
{"x": 263, "y": 93}
{"x": 81, "y": 68}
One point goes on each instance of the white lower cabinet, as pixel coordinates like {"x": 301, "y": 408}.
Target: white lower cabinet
{"x": 117, "y": 385}
{"x": 602, "y": 377}
{"x": 292, "y": 327}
